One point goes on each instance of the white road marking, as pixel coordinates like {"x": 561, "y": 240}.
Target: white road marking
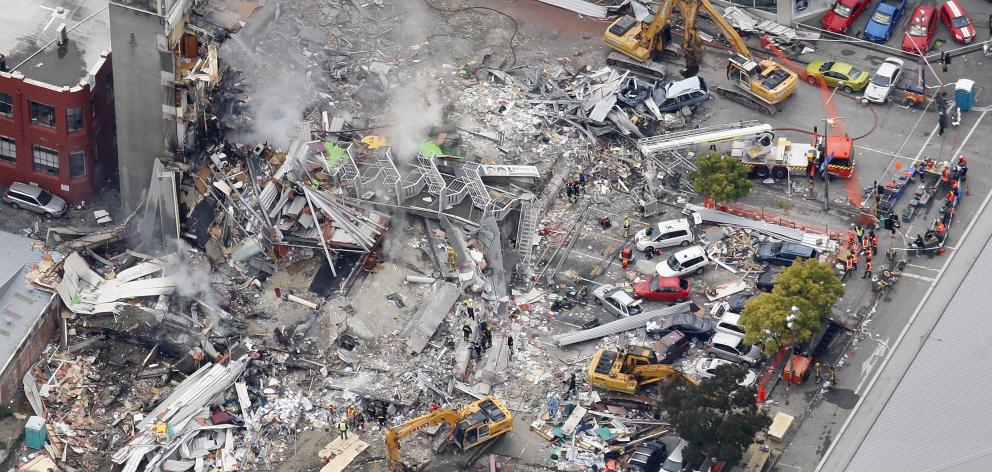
{"x": 869, "y": 366}
{"x": 914, "y": 276}
{"x": 957, "y": 152}
{"x": 922, "y": 267}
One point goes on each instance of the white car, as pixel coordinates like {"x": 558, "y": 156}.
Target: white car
{"x": 730, "y": 323}
{"x": 885, "y": 79}
{"x": 705, "y": 368}
{"x": 616, "y": 300}
{"x": 668, "y": 233}
{"x": 687, "y": 261}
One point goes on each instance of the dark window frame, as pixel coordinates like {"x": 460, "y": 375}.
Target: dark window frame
{"x": 41, "y": 160}
{"x": 72, "y": 165}
{"x": 36, "y": 114}
{"x": 6, "y": 103}
{"x": 74, "y": 120}
{"x": 8, "y": 144}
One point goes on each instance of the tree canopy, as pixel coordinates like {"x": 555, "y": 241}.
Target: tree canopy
{"x": 717, "y": 418}
{"x": 720, "y": 177}
{"x": 810, "y": 286}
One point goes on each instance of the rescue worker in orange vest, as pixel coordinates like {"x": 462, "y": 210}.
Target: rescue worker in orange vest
{"x": 939, "y": 229}
{"x": 867, "y": 269}
{"x": 945, "y": 175}
{"x": 848, "y": 267}
{"x": 951, "y": 197}
{"x": 874, "y": 242}
{"x": 962, "y": 167}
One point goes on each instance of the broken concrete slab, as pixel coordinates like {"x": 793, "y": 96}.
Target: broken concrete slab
{"x": 618, "y": 326}
{"x": 428, "y": 317}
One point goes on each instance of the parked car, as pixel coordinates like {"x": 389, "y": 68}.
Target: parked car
{"x": 956, "y": 18}
{"x": 705, "y": 368}
{"x": 690, "y": 325}
{"x": 730, "y": 323}
{"x": 766, "y": 281}
{"x": 663, "y": 289}
{"x": 36, "y": 199}
{"x": 681, "y": 93}
{"x": 733, "y": 348}
{"x": 920, "y": 30}
{"x": 884, "y": 20}
{"x": 783, "y": 254}
{"x": 647, "y": 457}
{"x": 885, "y": 79}
{"x": 667, "y": 234}
{"x": 843, "y": 13}
{"x": 616, "y": 300}
{"x": 837, "y": 74}
{"x": 671, "y": 346}
{"x": 675, "y": 462}
{"x": 687, "y": 261}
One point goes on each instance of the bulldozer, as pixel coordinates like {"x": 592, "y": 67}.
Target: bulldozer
{"x": 759, "y": 85}
{"x": 472, "y": 425}
{"x": 629, "y": 370}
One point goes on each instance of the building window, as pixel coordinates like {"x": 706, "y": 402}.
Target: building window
{"x": 74, "y": 119}
{"x": 46, "y": 160}
{"x": 42, "y": 114}
{"x": 77, "y": 164}
{"x": 8, "y": 150}
{"x": 6, "y": 105}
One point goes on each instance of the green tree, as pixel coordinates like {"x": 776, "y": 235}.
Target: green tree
{"x": 811, "y": 287}
{"x": 720, "y": 177}
{"x": 719, "y": 417}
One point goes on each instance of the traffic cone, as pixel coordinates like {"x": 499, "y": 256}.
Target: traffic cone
{"x": 761, "y": 394}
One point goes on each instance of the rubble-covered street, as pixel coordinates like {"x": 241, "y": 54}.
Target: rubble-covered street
{"x": 444, "y": 235}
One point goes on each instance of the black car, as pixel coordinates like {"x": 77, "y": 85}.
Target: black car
{"x": 690, "y": 325}
{"x": 766, "y": 281}
{"x": 671, "y": 346}
{"x": 735, "y": 302}
{"x": 647, "y": 457}
{"x": 783, "y": 254}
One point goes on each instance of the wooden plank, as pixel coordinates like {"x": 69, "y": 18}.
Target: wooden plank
{"x": 345, "y": 451}
{"x": 572, "y": 422}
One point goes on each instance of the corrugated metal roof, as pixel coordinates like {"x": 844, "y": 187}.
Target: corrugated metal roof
{"x": 20, "y": 303}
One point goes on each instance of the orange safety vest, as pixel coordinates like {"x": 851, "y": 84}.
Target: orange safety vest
{"x": 874, "y": 240}
{"x": 850, "y": 263}
{"x": 868, "y": 265}
{"x": 946, "y": 175}
{"x": 940, "y": 228}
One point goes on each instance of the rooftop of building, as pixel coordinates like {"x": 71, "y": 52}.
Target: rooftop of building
{"x": 20, "y": 303}
{"x": 30, "y": 33}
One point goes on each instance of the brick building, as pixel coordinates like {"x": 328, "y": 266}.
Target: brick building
{"x": 57, "y": 126}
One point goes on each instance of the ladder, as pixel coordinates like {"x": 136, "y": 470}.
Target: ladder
{"x": 476, "y": 189}
{"x": 435, "y": 183}
{"x": 526, "y": 232}
{"x": 389, "y": 173}
{"x": 710, "y": 134}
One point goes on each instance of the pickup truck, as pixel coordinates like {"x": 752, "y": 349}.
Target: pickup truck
{"x": 883, "y": 21}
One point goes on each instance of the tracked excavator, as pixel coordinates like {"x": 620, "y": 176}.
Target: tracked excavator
{"x": 472, "y": 425}
{"x": 629, "y": 370}
{"x": 759, "y": 85}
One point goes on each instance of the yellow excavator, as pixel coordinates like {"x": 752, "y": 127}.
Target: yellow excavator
{"x": 758, "y": 84}
{"x": 629, "y": 370}
{"x": 474, "y": 424}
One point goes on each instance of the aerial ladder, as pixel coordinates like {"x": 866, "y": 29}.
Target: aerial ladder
{"x": 759, "y": 85}
{"x": 470, "y": 426}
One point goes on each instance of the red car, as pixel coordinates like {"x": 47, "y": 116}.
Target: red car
{"x": 920, "y": 30}
{"x": 663, "y": 289}
{"x": 843, "y": 13}
{"x": 956, "y": 19}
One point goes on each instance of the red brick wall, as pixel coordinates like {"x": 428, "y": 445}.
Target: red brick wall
{"x": 46, "y": 329}
{"x": 97, "y": 134}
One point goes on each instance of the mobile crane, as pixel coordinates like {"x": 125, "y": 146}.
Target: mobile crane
{"x": 472, "y": 425}
{"x": 759, "y": 84}
{"x": 629, "y": 370}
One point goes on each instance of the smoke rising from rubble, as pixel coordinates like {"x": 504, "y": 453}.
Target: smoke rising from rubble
{"x": 191, "y": 282}
{"x": 416, "y": 104}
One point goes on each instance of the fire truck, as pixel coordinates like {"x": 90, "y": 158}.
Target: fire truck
{"x": 768, "y": 156}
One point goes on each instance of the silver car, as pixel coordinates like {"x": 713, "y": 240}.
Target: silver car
{"x": 733, "y": 348}
{"x": 885, "y": 79}
{"x": 36, "y": 199}
{"x": 616, "y": 300}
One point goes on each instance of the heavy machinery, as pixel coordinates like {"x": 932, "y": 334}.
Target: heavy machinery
{"x": 472, "y": 425}
{"x": 629, "y": 370}
{"x": 759, "y": 84}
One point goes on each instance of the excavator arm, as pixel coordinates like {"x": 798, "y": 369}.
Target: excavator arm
{"x": 729, "y": 33}
{"x": 649, "y": 36}
{"x": 651, "y": 373}
{"x": 394, "y": 435}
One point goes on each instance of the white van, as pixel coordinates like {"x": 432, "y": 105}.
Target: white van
{"x": 668, "y": 233}
{"x": 730, "y": 323}
{"x": 687, "y": 261}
